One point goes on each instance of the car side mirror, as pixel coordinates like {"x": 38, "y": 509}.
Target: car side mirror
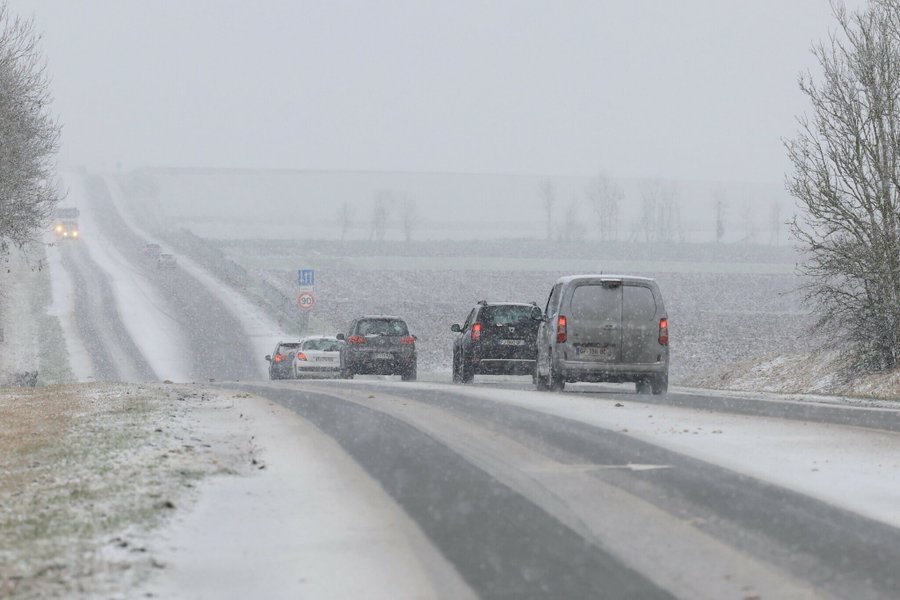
{"x": 415, "y": 337}
{"x": 537, "y": 314}
{"x": 455, "y": 328}
{"x": 269, "y": 357}
{"x": 340, "y": 336}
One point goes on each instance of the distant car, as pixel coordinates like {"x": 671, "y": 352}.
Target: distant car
{"x": 152, "y": 250}
{"x": 318, "y": 355}
{"x": 604, "y": 328}
{"x": 378, "y": 345}
{"x": 281, "y": 361}
{"x": 497, "y": 338}
{"x": 166, "y": 261}
{"x": 67, "y": 229}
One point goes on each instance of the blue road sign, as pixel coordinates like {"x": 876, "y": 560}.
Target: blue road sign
{"x": 306, "y": 277}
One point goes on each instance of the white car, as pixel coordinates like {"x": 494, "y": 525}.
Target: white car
{"x": 318, "y": 356}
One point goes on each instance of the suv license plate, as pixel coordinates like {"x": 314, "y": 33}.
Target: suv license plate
{"x": 384, "y": 355}
{"x": 512, "y": 342}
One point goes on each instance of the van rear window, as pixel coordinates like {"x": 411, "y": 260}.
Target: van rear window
{"x": 596, "y": 303}
{"x": 638, "y": 303}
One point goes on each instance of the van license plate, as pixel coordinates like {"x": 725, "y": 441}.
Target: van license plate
{"x": 384, "y": 355}
{"x": 512, "y": 342}
{"x": 606, "y": 352}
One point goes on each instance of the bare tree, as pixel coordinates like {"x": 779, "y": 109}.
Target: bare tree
{"x": 846, "y": 180}
{"x": 547, "y": 196}
{"x": 409, "y": 216}
{"x": 345, "y": 219}
{"x": 660, "y": 216}
{"x": 720, "y": 203}
{"x": 604, "y": 196}
{"x": 574, "y": 229}
{"x": 29, "y": 134}
{"x": 380, "y": 213}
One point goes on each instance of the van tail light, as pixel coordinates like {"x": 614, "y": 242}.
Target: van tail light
{"x": 561, "y": 333}
{"x": 476, "y": 332}
{"x": 301, "y": 356}
{"x": 408, "y": 340}
{"x": 664, "y": 332}
{"x": 356, "y": 339}
{"x": 278, "y": 357}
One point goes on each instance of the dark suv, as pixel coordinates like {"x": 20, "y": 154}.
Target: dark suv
{"x": 498, "y": 338}
{"x": 378, "y": 345}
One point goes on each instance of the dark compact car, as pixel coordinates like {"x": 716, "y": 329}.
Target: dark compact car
{"x": 281, "y": 361}
{"x": 378, "y": 345}
{"x": 498, "y": 338}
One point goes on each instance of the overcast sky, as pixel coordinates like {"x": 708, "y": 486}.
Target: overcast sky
{"x": 688, "y": 89}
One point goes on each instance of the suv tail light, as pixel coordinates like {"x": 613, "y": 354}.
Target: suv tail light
{"x": 561, "y": 333}
{"x": 301, "y": 356}
{"x": 476, "y": 332}
{"x": 664, "y": 332}
{"x": 408, "y": 340}
{"x": 278, "y": 357}
{"x": 356, "y": 339}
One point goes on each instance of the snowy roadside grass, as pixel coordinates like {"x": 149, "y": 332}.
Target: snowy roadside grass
{"x": 819, "y": 372}
{"x": 88, "y": 471}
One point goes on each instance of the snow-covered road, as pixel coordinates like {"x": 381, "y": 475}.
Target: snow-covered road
{"x": 488, "y": 489}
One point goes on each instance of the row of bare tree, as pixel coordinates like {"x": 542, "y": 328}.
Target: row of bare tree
{"x": 385, "y": 205}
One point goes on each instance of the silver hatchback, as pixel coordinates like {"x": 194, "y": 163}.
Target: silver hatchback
{"x": 604, "y": 328}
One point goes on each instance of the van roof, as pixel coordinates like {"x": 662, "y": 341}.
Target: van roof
{"x": 606, "y": 277}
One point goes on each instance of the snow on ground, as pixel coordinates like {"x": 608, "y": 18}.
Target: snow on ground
{"x": 310, "y": 524}
{"x": 18, "y": 346}
{"x": 144, "y": 311}
{"x": 63, "y": 309}
{"x": 262, "y": 330}
{"x": 850, "y": 467}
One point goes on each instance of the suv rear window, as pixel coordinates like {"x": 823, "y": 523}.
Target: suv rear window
{"x": 381, "y": 327}
{"x": 506, "y": 315}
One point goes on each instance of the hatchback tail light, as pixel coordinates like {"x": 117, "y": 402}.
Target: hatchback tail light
{"x": 278, "y": 357}
{"x": 476, "y": 332}
{"x": 356, "y": 339}
{"x": 301, "y": 356}
{"x": 664, "y": 332}
{"x": 561, "y": 333}
{"x": 408, "y": 340}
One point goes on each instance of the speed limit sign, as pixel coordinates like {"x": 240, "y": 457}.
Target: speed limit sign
{"x": 306, "y": 300}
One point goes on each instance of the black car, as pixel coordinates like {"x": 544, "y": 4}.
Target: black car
{"x": 498, "y": 338}
{"x": 281, "y": 361}
{"x": 378, "y": 345}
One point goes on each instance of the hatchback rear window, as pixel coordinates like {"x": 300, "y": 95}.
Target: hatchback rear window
{"x": 382, "y": 327}
{"x": 506, "y": 315}
{"x": 324, "y": 345}
{"x": 285, "y": 348}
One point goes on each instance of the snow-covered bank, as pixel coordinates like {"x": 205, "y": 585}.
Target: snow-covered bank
{"x": 811, "y": 373}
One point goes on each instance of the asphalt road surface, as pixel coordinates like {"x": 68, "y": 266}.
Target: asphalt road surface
{"x": 527, "y": 504}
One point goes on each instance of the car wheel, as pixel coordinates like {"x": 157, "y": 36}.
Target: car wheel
{"x": 457, "y": 376}
{"x": 540, "y": 382}
{"x": 660, "y": 384}
{"x": 642, "y": 386}
{"x": 409, "y": 374}
{"x": 467, "y": 371}
{"x": 346, "y": 374}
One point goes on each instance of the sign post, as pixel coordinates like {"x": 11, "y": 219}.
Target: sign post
{"x": 306, "y": 299}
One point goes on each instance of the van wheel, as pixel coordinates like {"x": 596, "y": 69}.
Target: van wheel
{"x": 346, "y": 374}
{"x": 457, "y": 376}
{"x": 642, "y": 386}
{"x": 541, "y": 383}
{"x": 660, "y": 384}
{"x": 409, "y": 374}
{"x": 557, "y": 383}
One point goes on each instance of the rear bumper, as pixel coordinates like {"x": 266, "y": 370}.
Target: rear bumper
{"x": 573, "y": 371}
{"x": 504, "y": 366}
{"x": 365, "y": 363}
